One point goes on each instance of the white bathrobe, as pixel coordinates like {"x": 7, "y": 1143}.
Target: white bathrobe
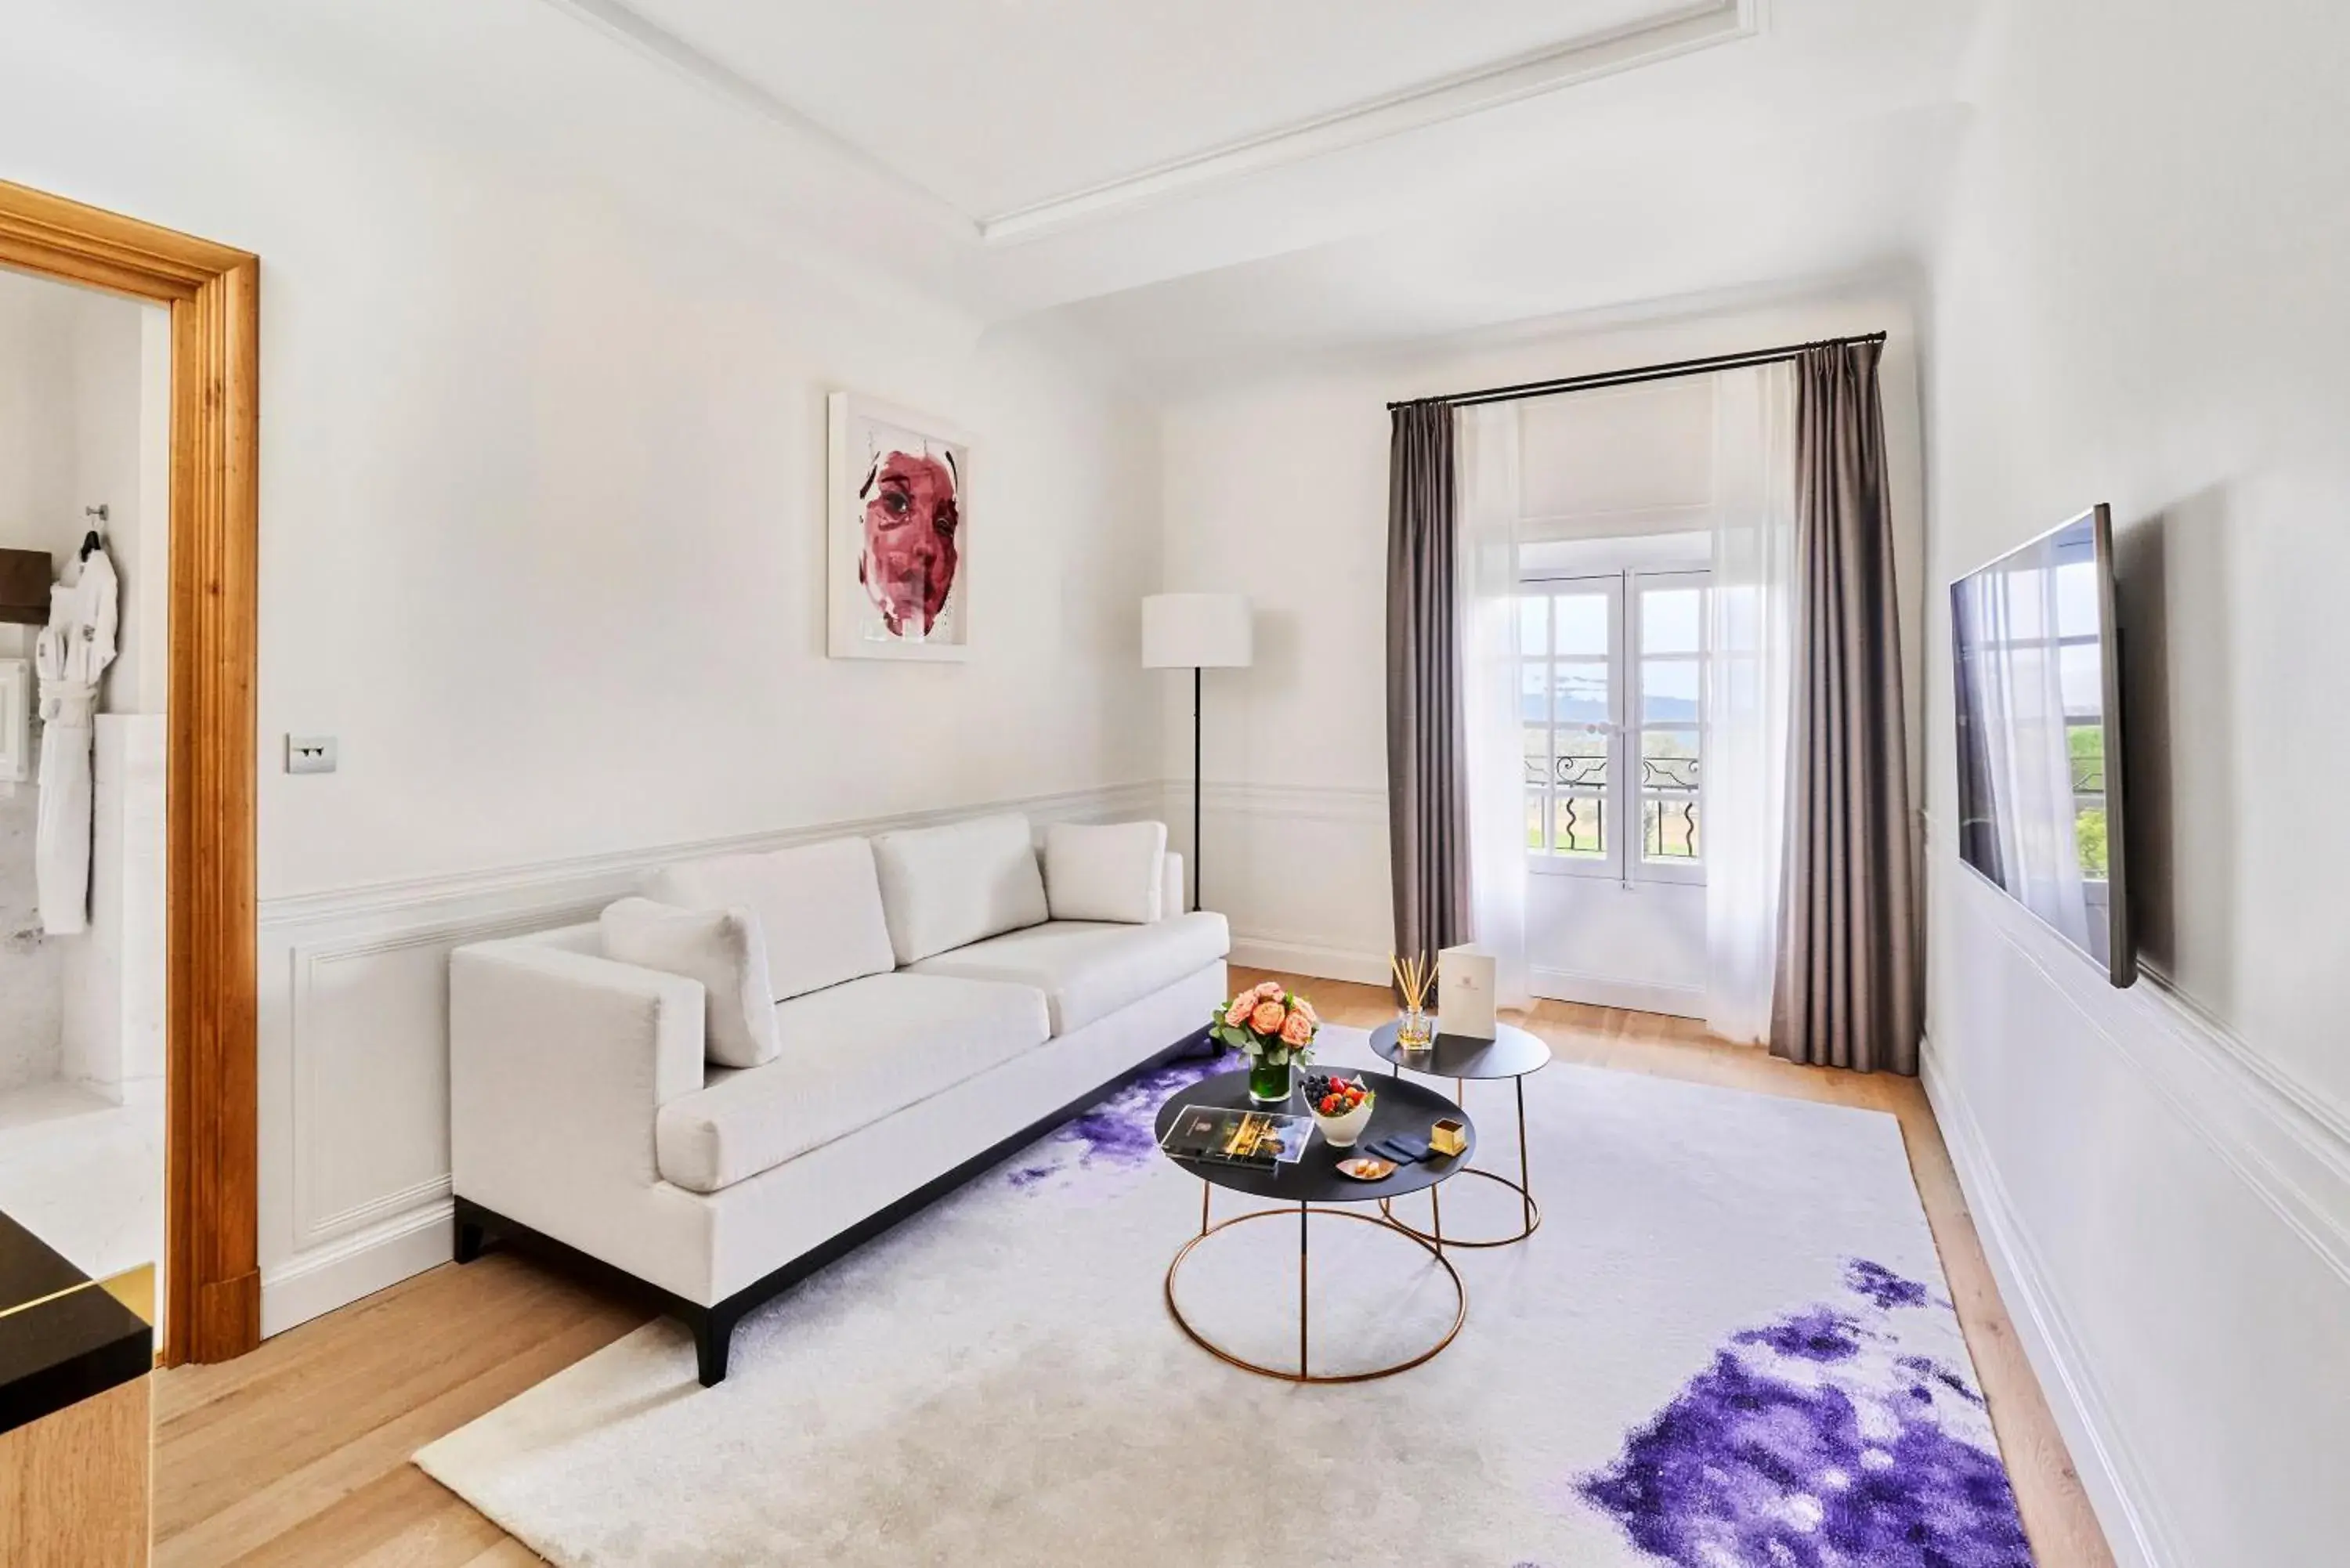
{"x": 71, "y": 652}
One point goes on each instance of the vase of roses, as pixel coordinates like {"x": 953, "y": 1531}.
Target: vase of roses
{"x": 1274, "y": 1030}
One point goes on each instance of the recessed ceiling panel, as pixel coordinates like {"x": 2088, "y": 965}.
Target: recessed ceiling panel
{"x": 1001, "y": 105}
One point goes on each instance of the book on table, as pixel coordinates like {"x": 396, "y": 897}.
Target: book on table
{"x": 1264, "y": 1139}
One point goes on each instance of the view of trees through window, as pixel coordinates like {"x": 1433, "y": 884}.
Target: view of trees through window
{"x": 2086, "y": 742}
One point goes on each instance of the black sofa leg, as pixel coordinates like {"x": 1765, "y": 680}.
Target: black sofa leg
{"x": 471, "y": 1239}
{"x": 713, "y": 1336}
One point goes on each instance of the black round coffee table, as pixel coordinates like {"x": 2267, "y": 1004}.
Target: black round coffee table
{"x": 1400, "y": 1107}
{"x": 1512, "y": 1053}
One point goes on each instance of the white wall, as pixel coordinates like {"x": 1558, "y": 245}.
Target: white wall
{"x": 84, "y": 401}
{"x": 542, "y": 538}
{"x": 1277, "y": 488}
{"x": 2138, "y": 300}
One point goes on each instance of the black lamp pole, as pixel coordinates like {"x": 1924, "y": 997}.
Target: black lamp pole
{"x": 1199, "y": 785}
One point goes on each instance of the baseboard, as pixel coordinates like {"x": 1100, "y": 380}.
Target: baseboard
{"x": 1605, "y": 991}
{"x": 356, "y": 1265}
{"x": 2114, "y": 1481}
{"x": 1306, "y": 959}
{"x": 1288, "y": 956}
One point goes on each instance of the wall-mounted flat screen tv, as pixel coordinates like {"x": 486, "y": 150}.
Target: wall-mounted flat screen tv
{"x": 2039, "y": 744}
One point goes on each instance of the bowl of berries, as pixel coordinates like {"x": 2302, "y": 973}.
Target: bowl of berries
{"x": 1341, "y": 1107}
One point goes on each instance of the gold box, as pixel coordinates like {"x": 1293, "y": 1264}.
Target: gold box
{"x": 1448, "y": 1136}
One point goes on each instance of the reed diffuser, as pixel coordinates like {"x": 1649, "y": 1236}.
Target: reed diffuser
{"x": 1415, "y": 979}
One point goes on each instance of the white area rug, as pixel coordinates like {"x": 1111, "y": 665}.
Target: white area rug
{"x": 1730, "y": 1344}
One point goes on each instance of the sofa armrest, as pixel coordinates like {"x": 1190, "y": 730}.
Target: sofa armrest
{"x": 557, "y": 1063}
{"x": 1172, "y": 901}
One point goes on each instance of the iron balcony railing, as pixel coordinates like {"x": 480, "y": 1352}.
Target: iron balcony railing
{"x": 1669, "y": 802}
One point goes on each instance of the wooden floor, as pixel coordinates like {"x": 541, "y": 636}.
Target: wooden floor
{"x": 297, "y": 1454}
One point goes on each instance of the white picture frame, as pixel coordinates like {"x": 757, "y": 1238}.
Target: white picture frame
{"x": 863, "y": 621}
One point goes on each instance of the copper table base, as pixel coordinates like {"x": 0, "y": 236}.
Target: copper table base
{"x": 1304, "y": 1372}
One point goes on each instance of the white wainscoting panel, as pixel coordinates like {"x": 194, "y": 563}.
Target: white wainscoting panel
{"x": 1300, "y": 871}
{"x": 355, "y": 1047}
{"x": 2168, "y": 1217}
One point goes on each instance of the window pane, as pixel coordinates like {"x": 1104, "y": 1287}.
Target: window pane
{"x": 1668, "y": 757}
{"x": 1533, "y": 694}
{"x": 1581, "y": 692}
{"x": 1668, "y": 827}
{"x": 1582, "y": 760}
{"x": 2087, "y": 745}
{"x": 1669, "y": 806}
{"x": 1537, "y": 759}
{"x": 1582, "y": 624}
{"x": 1668, "y": 691}
{"x": 2081, "y": 668}
{"x": 1537, "y": 806}
{"x": 1580, "y": 826}
{"x": 1533, "y": 625}
{"x": 1669, "y": 620}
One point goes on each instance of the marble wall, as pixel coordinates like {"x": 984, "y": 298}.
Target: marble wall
{"x": 31, "y": 989}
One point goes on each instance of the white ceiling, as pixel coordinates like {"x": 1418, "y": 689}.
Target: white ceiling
{"x": 1718, "y": 145}
{"x": 1807, "y": 207}
{"x": 1001, "y": 106}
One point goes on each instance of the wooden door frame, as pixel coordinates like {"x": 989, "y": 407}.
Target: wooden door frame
{"x": 211, "y": 1213}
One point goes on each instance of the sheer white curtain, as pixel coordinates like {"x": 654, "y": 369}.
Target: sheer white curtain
{"x": 1486, "y": 465}
{"x": 1748, "y": 681}
{"x": 2028, "y": 755}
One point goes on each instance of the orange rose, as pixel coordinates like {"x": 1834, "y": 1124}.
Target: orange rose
{"x": 1298, "y": 1031}
{"x": 1268, "y": 1018}
{"x": 1238, "y": 1013}
{"x": 1305, "y": 1007}
{"x": 1268, "y": 990}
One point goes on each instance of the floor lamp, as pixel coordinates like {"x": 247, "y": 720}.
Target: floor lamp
{"x": 1196, "y": 633}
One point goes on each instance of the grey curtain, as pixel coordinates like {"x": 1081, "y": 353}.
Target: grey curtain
{"x": 1850, "y": 975}
{"x": 1428, "y": 753}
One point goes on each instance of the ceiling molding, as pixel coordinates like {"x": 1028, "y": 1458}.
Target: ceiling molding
{"x": 1695, "y": 26}
{"x": 1698, "y": 25}
{"x": 665, "y": 48}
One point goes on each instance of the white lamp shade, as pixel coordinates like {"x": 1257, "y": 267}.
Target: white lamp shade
{"x": 1196, "y": 631}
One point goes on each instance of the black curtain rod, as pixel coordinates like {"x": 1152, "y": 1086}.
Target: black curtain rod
{"x": 1634, "y": 376}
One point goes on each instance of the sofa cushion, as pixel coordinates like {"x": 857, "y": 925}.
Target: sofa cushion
{"x": 946, "y": 887}
{"x": 1105, "y": 872}
{"x": 856, "y": 1053}
{"x": 1088, "y": 969}
{"x": 819, "y": 905}
{"x": 723, "y": 948}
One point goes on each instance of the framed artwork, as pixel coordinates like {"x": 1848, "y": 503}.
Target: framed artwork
{"x": 898, "y": 566}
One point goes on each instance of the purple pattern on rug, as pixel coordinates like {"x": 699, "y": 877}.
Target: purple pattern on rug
{"x": 1885, "y": 1288}
{"x": 1814, "y": 1443}
{"x": 1120, "y": 1132}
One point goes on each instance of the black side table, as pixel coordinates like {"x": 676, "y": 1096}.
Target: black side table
{"x": 1314, "y": 1184}
{"x": 1513, "y": 1054}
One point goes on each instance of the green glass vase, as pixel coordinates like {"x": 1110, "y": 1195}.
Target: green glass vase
{"x": 1268, "y": 1084}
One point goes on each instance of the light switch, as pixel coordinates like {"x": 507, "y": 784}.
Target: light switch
{"x": 309, "y": 753}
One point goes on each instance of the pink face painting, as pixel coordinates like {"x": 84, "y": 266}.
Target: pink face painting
{"x": 907, "y": 566}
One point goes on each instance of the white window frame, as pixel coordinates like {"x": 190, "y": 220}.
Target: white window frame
{"x": 1632, "y": 563}
{"x": 1610, "y": 864}
{"x": 1636, "y": 728}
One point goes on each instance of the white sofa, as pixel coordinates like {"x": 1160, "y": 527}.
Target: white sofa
{"x": 932, "y": 1018}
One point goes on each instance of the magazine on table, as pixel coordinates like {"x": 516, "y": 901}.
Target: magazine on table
{"x": 1264, "y": 1139}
